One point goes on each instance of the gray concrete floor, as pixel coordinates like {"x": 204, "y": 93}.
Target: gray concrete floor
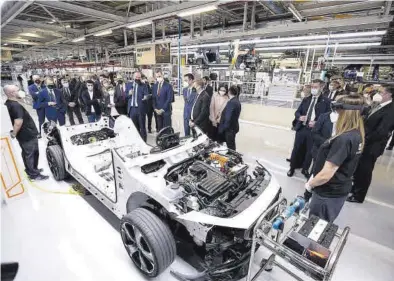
{"x": 67, "y": 237}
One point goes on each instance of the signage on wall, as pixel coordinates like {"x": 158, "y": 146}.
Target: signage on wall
{"x": 145, "y": 55}
{"x": 163, "y": 53}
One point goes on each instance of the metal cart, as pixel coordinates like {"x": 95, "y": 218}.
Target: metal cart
{"x": 302, "y": 268}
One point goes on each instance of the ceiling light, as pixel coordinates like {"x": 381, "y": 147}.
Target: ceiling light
{"x": 67, "y": 26}
{"x": 207, "y": 45}
{"x": 318, "y": 46}
{"x": 5, "y": 44}
{"x": 197, "y": 11}
{"x": 78, "y": 39}
{"x": 103, "y": 33}
{"x": 314, "y": 37}
{"x": 138, "y": 24}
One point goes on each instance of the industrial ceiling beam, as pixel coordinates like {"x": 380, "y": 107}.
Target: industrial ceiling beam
{"x": 14, "y": 11}
{"x": 299, "y": 28}
{"x": 43, "y": 26}
{"x": 49, "y": 13}
{"x": 341, "y": 8}
{"x": 64, "y": 6}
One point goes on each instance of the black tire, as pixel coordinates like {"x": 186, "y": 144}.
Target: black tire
{"x": 156, "y": 249}
{"x": 56, "y": 164}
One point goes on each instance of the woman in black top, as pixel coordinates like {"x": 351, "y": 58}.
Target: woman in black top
{"x": 336, "y": 162}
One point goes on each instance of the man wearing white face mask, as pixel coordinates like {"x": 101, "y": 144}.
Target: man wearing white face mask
{"x": 25, "y": 131}
{"x": 306, "y": 115}
{"x": 378, "y": 127}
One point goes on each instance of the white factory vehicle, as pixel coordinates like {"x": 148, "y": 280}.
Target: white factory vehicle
{"x": 188, "y": 195}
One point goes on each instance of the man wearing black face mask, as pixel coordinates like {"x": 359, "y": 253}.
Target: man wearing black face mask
{"x": 91, "y": 98}
{"x": 34, "y": 91}
{"x": 121, "y": 92}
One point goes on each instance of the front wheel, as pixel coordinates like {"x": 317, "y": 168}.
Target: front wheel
{"x": 56, "y": 164}
{"x": 148, "y": 241}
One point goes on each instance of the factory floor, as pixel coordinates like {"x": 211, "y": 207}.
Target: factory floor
{"x": 59, "y": 236}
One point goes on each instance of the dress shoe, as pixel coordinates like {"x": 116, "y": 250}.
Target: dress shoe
{"x": 290, "y": 173}
{"x": 305, "y": 173}
{"x": 353, "y": 199}
{"x": 41, "y": 170}
{"x": 389, "y": 148}
{"x": 39, "y": 178}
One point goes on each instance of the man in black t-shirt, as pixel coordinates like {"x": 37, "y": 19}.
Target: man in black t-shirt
{"x": 25, "y": 131}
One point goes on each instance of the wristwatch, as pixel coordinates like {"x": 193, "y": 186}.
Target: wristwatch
{"x": 12, "y": 134}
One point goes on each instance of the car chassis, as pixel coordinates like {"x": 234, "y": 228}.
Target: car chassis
{"x": 188, "y": 195}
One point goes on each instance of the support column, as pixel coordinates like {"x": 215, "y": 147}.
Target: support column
{"x": 201, "y": 24}
{"x": 253, "y": 20}
{"x": 125, "y": 37}
{"x": 135, "y": 37}
{"x": 153, "y": 31}
{"x": 179, "y": 56}
{"x": 191, "y": 26}
{"x": 163, "y": 29}
{"x": 245, "y": 16}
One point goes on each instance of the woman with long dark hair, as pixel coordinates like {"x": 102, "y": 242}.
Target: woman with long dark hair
{"x": 337, "y": 160}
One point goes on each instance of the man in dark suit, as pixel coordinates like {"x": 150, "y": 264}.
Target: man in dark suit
{"x": 53, "y": 103}
{"x": 378, "y": 125}
{"x": 121, "y": 93}
{"x": 136, "y": 104}
{"x": 189, "y": 95}
{"x": 34, "y": 91}
{"x": 208, "y": 88}
{"x": 91, "y": 98}
{"x": 200, "y": 109}
{"x": 229, "y": 125}
{"x": 323, "y": 130}
{"x": 149, "y": 103}
{"x": 334, "y": 90}
{"x": 71, "y": 99}
{"x": 162, "y": 98}
{"x": 307, "y": 114}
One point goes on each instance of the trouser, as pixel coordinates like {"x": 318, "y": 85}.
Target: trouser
{"x": 59, "y": 117}
{"x": 229, "y": 137}
{"x": 391, "y": 144}
{"x": 163, "y": 120}
{"x": 70, "y": 112}
{"x": 149, "y": 115}
{"x": 30, "y": 154}
{"x": 363, "y": 176}
{"x": 303, "y": 141}
{"x": 93, "y": 117}
{"x": 138, "y": 119}
{"x": 41, "y": 118}
{"x": 326, "y": 208}
{"x": 186, "y": 126}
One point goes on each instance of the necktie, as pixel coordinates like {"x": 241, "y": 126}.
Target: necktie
{"x": 311, "y": 109}
{"x": 135, "y": 95}
{"x": 52, "y": 96}
{"x": 158, "y": 90}
{"x": 188, "y": 94}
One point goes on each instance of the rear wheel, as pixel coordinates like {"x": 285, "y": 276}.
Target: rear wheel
{"x": 148, "y": 241}
{"x": 56, "y": 164}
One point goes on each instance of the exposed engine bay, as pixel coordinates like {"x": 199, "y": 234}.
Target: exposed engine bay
{"x": 93, "y": 136}
{"x": 217, "y": 183}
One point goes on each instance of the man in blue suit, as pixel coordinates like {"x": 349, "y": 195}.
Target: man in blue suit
{"x": 34, "y": 90}
{"x": 189, "y": 96}
{"x": 306, "y": 115}
{"x": 162, "y": 99}
{"x": 229, "y": 121}
{"x": 53, "y": 103}
{"x": 121, "y": 92}
{"x": 136, "y": 104}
